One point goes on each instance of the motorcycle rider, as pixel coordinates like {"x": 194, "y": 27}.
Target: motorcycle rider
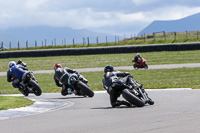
{"x": 15, "y": 74}
{"x": 21, "y": 63}
{"x": 110, "y": 76}
{"x": 136, "y": 59}
{"x": 61, "y": 75}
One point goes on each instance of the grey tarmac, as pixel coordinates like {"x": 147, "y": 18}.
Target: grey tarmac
{"x": 175, "y": 110}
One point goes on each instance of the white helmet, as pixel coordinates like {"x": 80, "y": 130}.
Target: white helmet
{"x": 11, "y": 64}
{"x": 138, "y": 54}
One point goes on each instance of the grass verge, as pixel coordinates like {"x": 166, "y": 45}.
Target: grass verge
{"x": 152, "y": 79}
{"x": 92, "y": 61}
{"x": 10, "y": 102}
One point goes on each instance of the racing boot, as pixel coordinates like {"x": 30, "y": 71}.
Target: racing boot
{"x": 64, "y": 91}
{"x": 69, "y": 91}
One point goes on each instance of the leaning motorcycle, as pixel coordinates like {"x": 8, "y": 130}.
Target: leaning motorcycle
{"x": 137, "y": 97}
{"x": 79, "y": 86}
{"x": 29, "y": 85}
{"x": 142, "y": 64}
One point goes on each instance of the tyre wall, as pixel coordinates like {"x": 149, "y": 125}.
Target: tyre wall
{"x": 101, "y": 50}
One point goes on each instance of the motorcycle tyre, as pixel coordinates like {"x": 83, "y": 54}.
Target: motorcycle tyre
{"x": 135, "y": 66}
{"x": 25, "y": 94}
{"x": 36, "y": 88}
{"x": 85, "y": 89}
{"x": 145, "y": 66}
{"x": 132, "y": 98}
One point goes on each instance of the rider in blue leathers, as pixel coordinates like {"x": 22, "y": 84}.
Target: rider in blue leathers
{"x": 15, "y": 73}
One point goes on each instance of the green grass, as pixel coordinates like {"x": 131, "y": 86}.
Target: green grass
{"x": 152, "y": 79}
{"x": 92, "y": 61}
{"x": 156, "y": 79}
{"x": 10, "y": 102}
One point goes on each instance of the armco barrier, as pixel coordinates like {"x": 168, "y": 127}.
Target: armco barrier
{"x": 101, "y": 50}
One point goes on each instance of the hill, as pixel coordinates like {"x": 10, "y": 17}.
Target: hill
{"x": 190, "y": 23}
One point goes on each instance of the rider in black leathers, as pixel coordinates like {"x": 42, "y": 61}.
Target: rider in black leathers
{"x": 61, "y": 78}
{"x": 111, "y": 76}
{"x": 136, "y": 59}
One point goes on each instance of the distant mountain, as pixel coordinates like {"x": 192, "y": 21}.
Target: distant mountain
{"x": 190, "y": 23}
{"x": 55, "y": 35}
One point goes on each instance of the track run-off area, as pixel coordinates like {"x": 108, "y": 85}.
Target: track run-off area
{"x": 175, "y": 110}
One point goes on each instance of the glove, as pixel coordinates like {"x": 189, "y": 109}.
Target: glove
{"x": 77, "y": 73}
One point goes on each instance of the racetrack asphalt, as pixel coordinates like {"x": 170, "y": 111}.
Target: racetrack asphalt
{"x": 169, "y": 66}
{"x": 175, "y": 110}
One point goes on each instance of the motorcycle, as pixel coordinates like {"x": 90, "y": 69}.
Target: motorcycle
{"x": 22, "y": 63}
{"x": 29, "y": 85}
{"x": 137, "y": 97}
{"x": 79, "y": 86}
{"x": 142, "y": 64}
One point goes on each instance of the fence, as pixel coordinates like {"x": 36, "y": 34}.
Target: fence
{"x": 170, "y": 36}
{"x": 154, "y": 38}
{"x": 86, "y": 42}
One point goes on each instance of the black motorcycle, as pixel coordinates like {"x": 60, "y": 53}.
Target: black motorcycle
{"x": 137, "y": 97}
{"x": 79, "y": 86}
{"x": 29, "y": 85}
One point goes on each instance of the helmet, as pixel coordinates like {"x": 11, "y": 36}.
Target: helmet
{"x": 57, "y": 66}
{"x": 11, "y": 64}
{"x": 108, "y": 68}
{"x": 138, "y": 54}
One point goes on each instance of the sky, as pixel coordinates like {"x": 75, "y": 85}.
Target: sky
{"x": 117, "y": 17}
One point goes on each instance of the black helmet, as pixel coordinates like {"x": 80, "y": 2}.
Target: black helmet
{"x": 108, "y": 68}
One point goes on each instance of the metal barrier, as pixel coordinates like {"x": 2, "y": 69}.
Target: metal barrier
{"x": 100, "y": 50}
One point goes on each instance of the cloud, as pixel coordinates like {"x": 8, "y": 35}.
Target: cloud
{"x": 108, "y": 16}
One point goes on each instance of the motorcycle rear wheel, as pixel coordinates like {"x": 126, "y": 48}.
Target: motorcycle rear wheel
{"x": 135, "y": 66}
{"x": 36, "y": 88}
{"x": 132, "y": 98}
{"x": 145, "y": 66}
{"x": 23, "y": 91}
{"x": 85, "y": 89}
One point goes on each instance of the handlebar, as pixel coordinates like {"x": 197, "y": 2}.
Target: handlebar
{"x": 119, "y": 83}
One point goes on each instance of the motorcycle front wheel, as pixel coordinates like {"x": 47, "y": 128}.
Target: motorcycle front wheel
{"x": 85, "y": 89}
{"x": 132, "y": 98}
{"x": 36, "y": 88}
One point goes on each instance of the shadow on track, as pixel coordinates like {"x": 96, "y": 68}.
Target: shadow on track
{"x": 120, "y": 107}
{"x": 68, "y": 98}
